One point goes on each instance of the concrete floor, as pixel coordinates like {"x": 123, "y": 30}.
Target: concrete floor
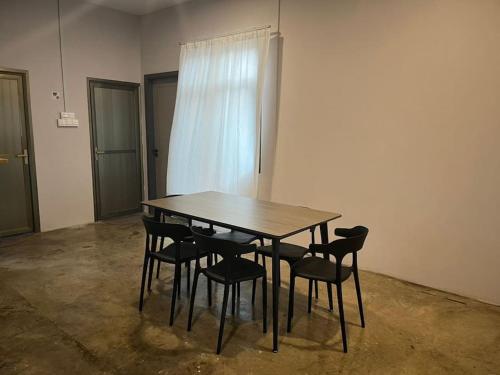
{"x": 68, "y": 305}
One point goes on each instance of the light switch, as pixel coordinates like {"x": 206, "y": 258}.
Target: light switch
{"x": 67, "y": 120}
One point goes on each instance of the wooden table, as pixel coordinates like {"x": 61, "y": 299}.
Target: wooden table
{"x": 270, "y": 220}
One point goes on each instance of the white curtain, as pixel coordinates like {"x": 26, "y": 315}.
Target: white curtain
{"x": 214, "y": 143}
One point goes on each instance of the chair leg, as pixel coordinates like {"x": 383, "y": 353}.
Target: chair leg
{"x": 150, "y": 276}
{"x": 309, "y": 297}
{"x": 188, "y": 279}
{"x": 158, "y": 270}
{"x": 290, "y": 302}
{"x": 179, "y": 284}
{"x": 233, "y": 301}
{"x": 223, "y": 317}
{"x": 254, "y": 282}
{"x": 177, "y": 281}
{"x": 313, "y": 253}
{"x": 238, "y": 291}
{"x": 330, "y": 298}
{"x": 158, "y": 266}
{"x": 264, "y": 261}
{"x": 143, "y": 281}
{"x": 264, "y": 303}
{"x": 341, "y": 315}
{"x": 193, "y": 294}
{"x": 358, "y": 293}
{"x": 209, "y": 282}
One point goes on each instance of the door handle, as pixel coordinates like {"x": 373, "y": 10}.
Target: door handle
{"x": 97, "y": 153}
{"x": 24, "y": 155}
{"x": 4, "y": 158}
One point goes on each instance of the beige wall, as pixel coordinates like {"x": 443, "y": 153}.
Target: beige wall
{"x": 97, "y": 42}
{"x": 163, "y": 30}
{"x": 390, "y": 114}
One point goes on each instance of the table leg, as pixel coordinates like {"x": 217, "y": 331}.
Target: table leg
{"x": 157, "y": 214}
{"x": 323, "y": 229}
{"x": 276, "y": 292}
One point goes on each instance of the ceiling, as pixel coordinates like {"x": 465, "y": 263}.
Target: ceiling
{"x": 138, "y": 7}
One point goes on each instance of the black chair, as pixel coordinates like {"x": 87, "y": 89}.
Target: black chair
{"x": 291, "y": 254}
{"x": 165, "y": 218}
{"x": 174, "y": 219}
{"x": 178, "y": 252}
{"x": 232, "y": 269}
{"x": 244, "y": 239}
{"x": 235, "y": 236}
{"x": 322, "y": 269}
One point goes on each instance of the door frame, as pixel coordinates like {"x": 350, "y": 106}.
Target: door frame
{"x": 135, "y": 86}
{"x": 150, "y": 125}
{"x": 24, "y": 74}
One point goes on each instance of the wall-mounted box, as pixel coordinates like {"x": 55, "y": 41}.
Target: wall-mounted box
{"x": 67, "y": 120}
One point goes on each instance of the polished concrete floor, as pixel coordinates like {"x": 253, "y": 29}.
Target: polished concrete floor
{"x": 68, "y": 305}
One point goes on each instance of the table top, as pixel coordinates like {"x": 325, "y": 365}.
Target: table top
{"x": 269, "y": 219}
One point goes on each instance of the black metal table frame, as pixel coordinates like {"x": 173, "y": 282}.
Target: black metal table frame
{"x": 275, "y": 258}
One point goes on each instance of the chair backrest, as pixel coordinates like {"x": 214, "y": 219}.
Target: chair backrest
{"x": 225, "y": 248}
{"x": 229, "y": 250}
{"x": 353, "y": 241}
{"x": 176, "y": 232}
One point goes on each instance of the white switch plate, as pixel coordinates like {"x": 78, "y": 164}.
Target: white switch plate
{"x": 67, "y": 122}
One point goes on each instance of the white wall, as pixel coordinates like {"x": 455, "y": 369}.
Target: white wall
{"x": 163, "y": 30}
{"x": 388, "y": 114}
{"x": 97, "y": 42}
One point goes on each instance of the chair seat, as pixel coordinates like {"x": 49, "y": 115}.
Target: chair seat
{"x": 289, "y": 252}
{"x": 235, "y": 236}
{"x": 187, "y": 253}
{"x": 241, "y": 270}
{"x": 319, "y": 269}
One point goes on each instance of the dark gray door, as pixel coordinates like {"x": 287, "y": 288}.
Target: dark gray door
{"x": 116, "y": 147}
{"x": 16, "y": 209}
{"x": 162, "y": 90}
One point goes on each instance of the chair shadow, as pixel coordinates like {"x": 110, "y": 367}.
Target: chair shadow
{"x": 157, "y": 304}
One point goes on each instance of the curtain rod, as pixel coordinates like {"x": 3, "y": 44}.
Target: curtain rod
{"x": 228, "y": 34}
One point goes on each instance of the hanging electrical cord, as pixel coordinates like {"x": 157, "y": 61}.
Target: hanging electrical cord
{"x": 279, "y": 15}
{"x": 278, "y": 59}
{"x": 61, "y": 53}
